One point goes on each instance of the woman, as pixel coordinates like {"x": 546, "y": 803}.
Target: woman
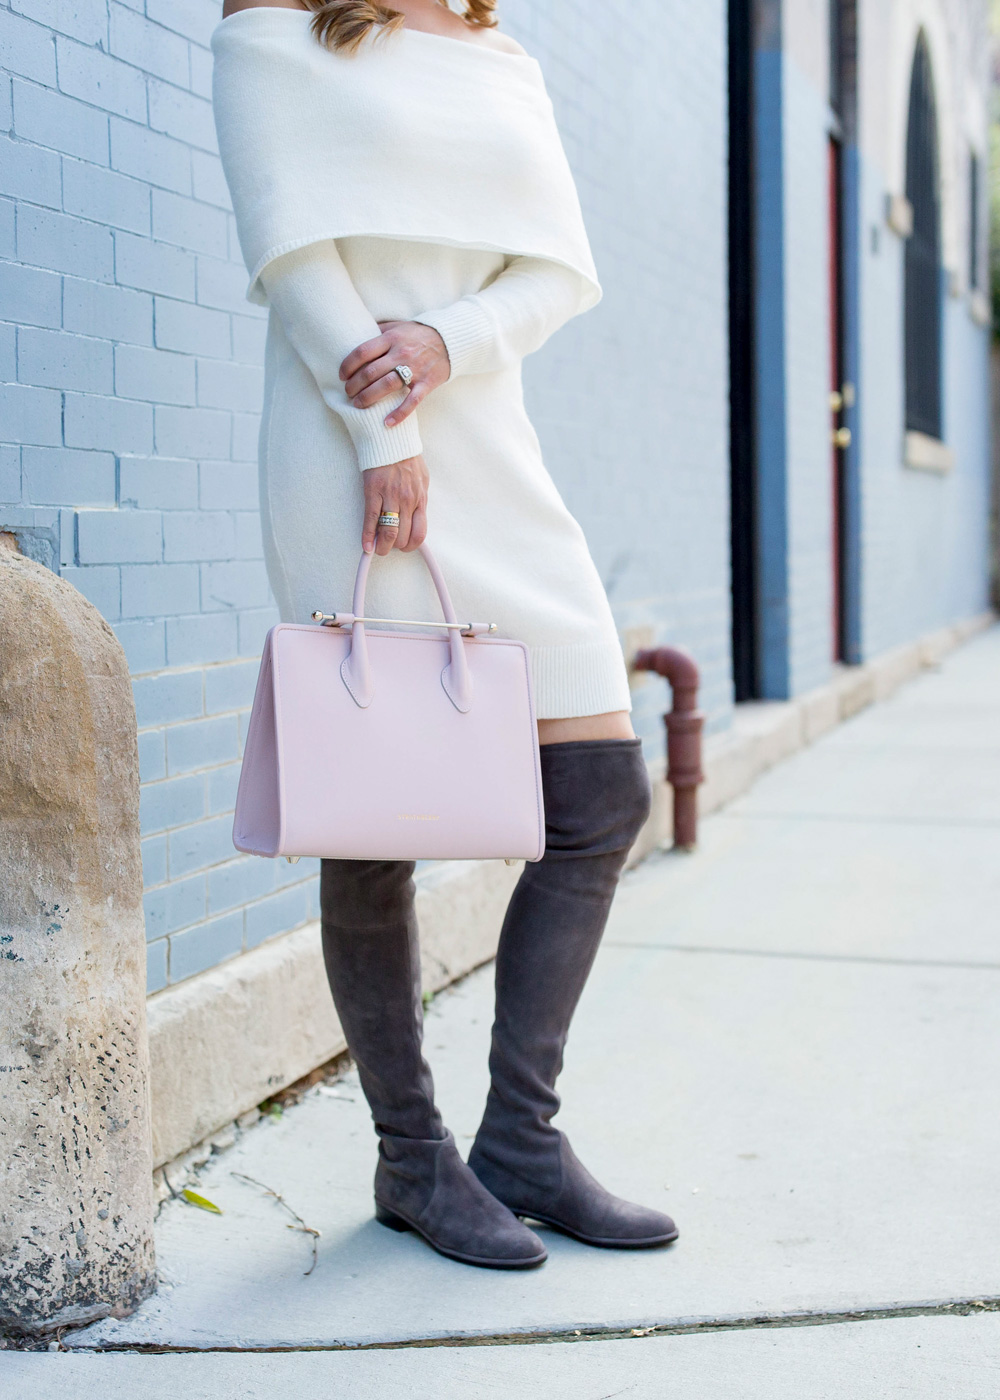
{"x": 406, "y": 211}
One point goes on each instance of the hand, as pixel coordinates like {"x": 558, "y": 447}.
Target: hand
{"x": 402, "y": 487}
{"x": 369, "y": 372}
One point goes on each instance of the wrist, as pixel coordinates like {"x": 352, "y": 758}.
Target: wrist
{"x": 466, "y": 332}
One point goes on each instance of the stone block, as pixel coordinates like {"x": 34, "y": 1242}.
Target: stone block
{"x": 95, "y": 77}
{"x": 60, "y": 122}
{"x": 149, "y": 155}
{"x": 105, "y": 196}
{"x": 153, "y": 267}
{"x": 76, "y": 1212}
{"x": 62, "y": 360}
{"x": 115, "y": 313}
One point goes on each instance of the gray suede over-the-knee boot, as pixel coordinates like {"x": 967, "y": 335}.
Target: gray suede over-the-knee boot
{"x": 596, "y": 800}
{"x": 372, "y": 956}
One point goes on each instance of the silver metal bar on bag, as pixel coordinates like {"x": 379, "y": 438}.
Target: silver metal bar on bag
{"x": 339, "y": 620}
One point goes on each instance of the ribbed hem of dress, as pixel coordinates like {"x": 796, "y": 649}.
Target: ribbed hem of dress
{"x": 586, "y": 679}
{"x": 467, "y": 332}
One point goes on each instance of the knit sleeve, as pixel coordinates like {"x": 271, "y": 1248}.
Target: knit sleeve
{"x": 325, "y": 319}
{"x": 495, "y": 328}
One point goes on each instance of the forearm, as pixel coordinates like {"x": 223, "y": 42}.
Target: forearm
{"x": 495, "y": 328}
{"x": 325, "y": 319}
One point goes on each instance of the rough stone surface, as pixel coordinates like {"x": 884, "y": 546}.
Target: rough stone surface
{"x": 76, "y": 1213}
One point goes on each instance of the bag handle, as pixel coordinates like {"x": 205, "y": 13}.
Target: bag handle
{"x": 356, "y": 668}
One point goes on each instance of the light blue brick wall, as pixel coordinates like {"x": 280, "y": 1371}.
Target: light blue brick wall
{"x": 924, "y": 544}
{"x": 631, "y": 400}
{"x": 131, "y": 369}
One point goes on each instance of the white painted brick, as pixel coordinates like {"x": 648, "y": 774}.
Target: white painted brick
{"x": 59, "y": 360}
{"x": 193, "y": 18}
{"x": 208, "y": 180}
{"x": 249, "y": 335}
{"x": 30, "y": 173}
{"x": 188, "y": 223}
{"x": 154, "y": 267}
{"x": 119, "y": 537}
{"x": 159, "y": 590}
{"x": 158, "y": 483}
{"x": 227, "y": 485}
{"x": 116, "y": 313}
{"x": 180, "y": 326}
{"x": 150, "y": 156}
{"x": 198, "y": 535}
{"x": 29, "y": 415}
{"x": 63, "y": 243}
{"x": 249, "y": 541}
{"x": 7, "y": 241}
{"x": 181, "y": 114}
{"x": 118, "y": 425}
{"x": 222, "y": 384}
{"x": 83, "y": 19}
{"x": 53, "y": 475}
{"x": 99, "y": 79}
{"x": 10, "y": 475}
{"x": 27, "y": 48}
{"x": 158, "y": 376}
{"x": 30, "y": 295}
{"x": 246, "y": 432}
{"x": 192, "y": 432}
{"x": 8, "y": 351}
{"x": 60, "y": 122}
{"x": 6, "y": 103}
{"x": 201, "y": 71}
{"x": 148, "y": 46}
{"x": 235, "y": 585}
{"x": 223, "y": 284}
{"x": 102, "y": 585}
{"x": 106, "y": 197}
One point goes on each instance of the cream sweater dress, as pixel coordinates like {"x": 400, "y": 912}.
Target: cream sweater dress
{"x": 508, "y": 547}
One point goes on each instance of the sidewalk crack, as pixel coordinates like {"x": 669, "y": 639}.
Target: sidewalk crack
{"x": 954, "y": 1307}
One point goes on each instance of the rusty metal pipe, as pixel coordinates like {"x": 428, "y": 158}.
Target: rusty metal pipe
{"x": 684, "y": 724}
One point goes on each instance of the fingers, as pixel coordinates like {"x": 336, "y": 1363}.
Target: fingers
{"x": 418, "y": 530}
{"x": 381, "y": 388}
{"x": 416, "y": 396}
{"x": 364, "y": 354}
{"x": 373, "y": 509}
{"x": 385, "y": 540}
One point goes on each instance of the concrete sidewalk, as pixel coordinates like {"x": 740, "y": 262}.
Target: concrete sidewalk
{"x": 791, "y": 1041}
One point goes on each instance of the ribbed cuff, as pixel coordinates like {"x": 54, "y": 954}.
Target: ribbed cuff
{"x": 467, "y": 332}
{"x": 377, "y": 445}
{"x": 586, "y": 679}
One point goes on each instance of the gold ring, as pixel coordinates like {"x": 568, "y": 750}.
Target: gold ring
{"x": 389, "y": 517}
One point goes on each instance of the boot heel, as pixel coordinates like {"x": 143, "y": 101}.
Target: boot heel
{"x": 390, "y": 1218}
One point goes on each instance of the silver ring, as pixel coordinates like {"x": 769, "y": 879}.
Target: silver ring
{"x": 389, "y": 517}
{"x": 405, "y": 374}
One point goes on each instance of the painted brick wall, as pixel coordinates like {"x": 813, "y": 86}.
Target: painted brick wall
{"x": 131, "y": 383}
{"x": 130, "y": 369}
{"x": 631, "y": 401}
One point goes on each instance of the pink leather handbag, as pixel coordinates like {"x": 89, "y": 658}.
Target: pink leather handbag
{"x": 391, "y": 745}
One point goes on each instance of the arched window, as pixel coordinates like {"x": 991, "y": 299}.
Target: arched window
{"x": 923, "y": 254}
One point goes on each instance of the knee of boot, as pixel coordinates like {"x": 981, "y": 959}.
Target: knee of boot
{"x": 366, "y": 893}
{"x": 597, "y": 800}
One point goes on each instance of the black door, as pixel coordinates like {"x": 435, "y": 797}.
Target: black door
{"x": 923, "y": 254}
{"x": 742, "y": 387}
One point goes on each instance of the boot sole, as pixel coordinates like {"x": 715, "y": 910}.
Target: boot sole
{"x": 392, "y": 1220}
{"x": 651, "y": 1242}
